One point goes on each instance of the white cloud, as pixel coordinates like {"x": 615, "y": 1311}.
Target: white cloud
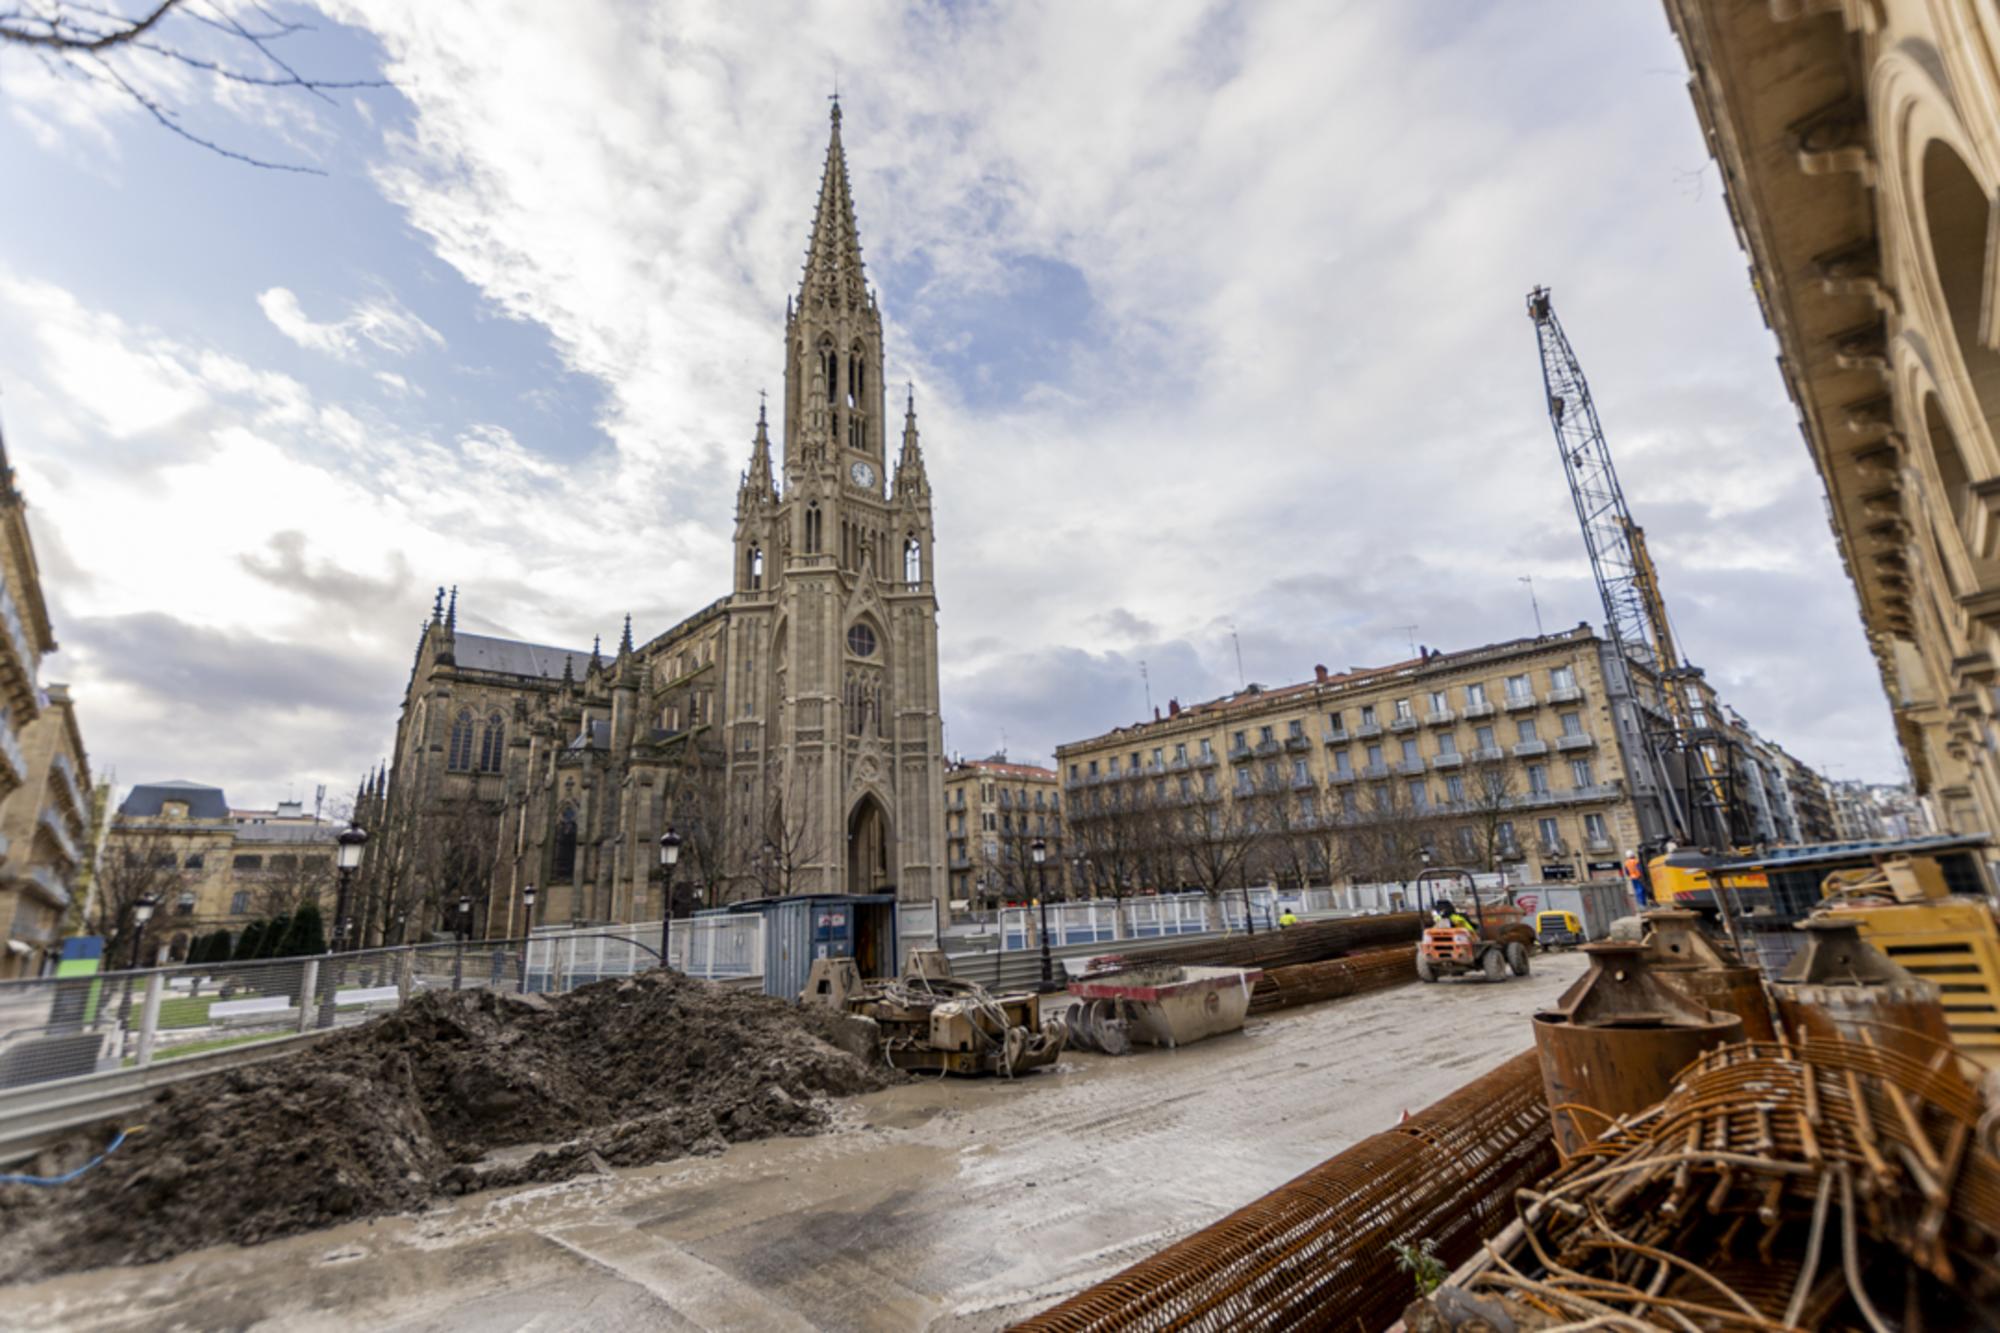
{"x": 380, "y": 321}
{"x": 1302, "y": 395}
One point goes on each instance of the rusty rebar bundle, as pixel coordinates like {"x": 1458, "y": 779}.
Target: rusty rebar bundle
{"x": 1779, "y": 1185}
{"x": 1307, "y": 942}
{"x": 1318, "y": 1252}
{"x": 1309, "y": 983}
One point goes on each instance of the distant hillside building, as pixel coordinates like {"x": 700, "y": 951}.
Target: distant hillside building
{"x": 209, "y": 867}
{"x": 993, "y": 813}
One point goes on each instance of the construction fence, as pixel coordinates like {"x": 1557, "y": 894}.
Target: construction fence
{"x": 65, "y": 1027}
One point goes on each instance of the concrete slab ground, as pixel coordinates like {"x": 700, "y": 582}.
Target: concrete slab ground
{"x": 937, "y": 1205}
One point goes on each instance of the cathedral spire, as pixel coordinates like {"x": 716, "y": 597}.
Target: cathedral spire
{"x": 437, "y": 607}
{"x": 451, "y": 612}
{"x": 833, "y": 258}
{"x": 910, "y": 478}
{"x": 757, "y": 484}
{"x": 625, "y": 639}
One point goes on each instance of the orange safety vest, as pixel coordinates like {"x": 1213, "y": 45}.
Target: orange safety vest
{"x": 1632, "y": 868}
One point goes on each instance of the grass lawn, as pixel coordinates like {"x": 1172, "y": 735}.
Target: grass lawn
{"x": 213, "y": 1044}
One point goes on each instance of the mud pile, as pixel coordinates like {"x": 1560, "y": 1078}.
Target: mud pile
{"x": 381, "y": 1118}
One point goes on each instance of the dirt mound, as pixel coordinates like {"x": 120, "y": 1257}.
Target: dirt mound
{"x": 381, "y": 1118}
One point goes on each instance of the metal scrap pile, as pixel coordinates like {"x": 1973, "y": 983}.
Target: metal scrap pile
{"x": 944, "y": 1025}
{"x": 1309, "y": 983}
{"x": 1780, "y": 1185}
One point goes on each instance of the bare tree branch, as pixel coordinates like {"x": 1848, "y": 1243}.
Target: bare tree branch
{"x": 64, "y": 34}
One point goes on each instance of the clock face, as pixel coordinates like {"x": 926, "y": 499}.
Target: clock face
{"x": 863, "y": 474}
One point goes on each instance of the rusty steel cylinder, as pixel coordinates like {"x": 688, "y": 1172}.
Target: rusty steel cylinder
{"x": 1842, "y": 986}
{"x": 1681, "y": 956}
{"x": 1616, "y": 1040}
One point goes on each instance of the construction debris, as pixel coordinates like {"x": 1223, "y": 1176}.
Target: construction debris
{"x": 1320, "y": 1252}
{"x": 382, "y": 1118}
{"x": 934, "y": 1023}
{"x": 1821, "y": 1184}
{"x": 1158, "y": 1004}
{"x": 1307, "y": 942}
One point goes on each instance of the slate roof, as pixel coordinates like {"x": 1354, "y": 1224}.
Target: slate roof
{"x": 203, "y": 801}
{"x": 478, "y": 652}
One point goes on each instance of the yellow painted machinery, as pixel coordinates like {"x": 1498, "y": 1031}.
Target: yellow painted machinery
{"x": 934, "y": 1023}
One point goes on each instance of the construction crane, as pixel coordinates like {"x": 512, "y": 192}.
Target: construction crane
{"x": 1681, "y": 750}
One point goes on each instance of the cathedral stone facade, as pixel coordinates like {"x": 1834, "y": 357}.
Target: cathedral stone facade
{"x": 789, "y": 731}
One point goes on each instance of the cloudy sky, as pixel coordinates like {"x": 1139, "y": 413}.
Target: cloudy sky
{"x": 1214, "y": 313}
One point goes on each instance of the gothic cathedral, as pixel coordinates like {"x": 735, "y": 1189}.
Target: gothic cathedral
{"x": 790, "y": 731}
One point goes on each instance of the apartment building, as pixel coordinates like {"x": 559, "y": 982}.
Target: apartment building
{"x": 208, "y": 866}
{"x": 1501, "y": 757}
{"x": 1860, "y": 168}
{"x": 993, "y": 812}
{"x": 45, "y": 810}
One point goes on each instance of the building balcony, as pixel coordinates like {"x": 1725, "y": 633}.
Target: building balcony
{"x": 1238, "y": 753}
{"x": 1552, "y": 848}
{"x": 1597, "y": 791}
{"x": 1452, "y": 760}
{"x": 1480, "y": 709}
{"x": 1367, "y": 731}
{"x": 1374, "y": 771}
{"x": 1400, "y": 724}
{"x": 1521, "y": 703}
{"x": 1178, "y": 764}
{"x": 1298, "y": 744}
{"x": 1597, "y": 844}
{"x": 50, "y": 884}
{"x": 1342, "y": 775}
{"x": 1265, "y": 749}
{"x": 21, "y": 666}
{"x": 1509, "y": 850}
{"x": 65, "y": 845}
{"x": 34, "y": 933}
{"x": 1443, "y": 717}
{"x": 1488, "y": 754}
{"x": 1336, "y": 736}
{"x": 1303, "y": 782}
{"x": 1206, "y": 759}
{"x": 1582, "y": 741}
{"x": 1566, "y": 694}
{"x": 13, "y": 763}
{"x": 1409, "y": 768}
{"x": 1530, "y": 749}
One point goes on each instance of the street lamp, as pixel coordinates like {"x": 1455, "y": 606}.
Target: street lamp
{"x": 347, "y": 858}
{"x": 142, "y": 912}
{"x": 527, "y": 930}
{"x": 1040, "y": 850}
{"x": 465, "y": 916}
{"x": 670, "y": 856}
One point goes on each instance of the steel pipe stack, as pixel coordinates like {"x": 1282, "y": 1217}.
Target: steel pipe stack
{"x": 1309, "y": 983}
{"x": 1307, "y": 942}
{"x": 1318, "y": 1252}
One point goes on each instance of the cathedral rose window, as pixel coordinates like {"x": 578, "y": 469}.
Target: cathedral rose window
{"x": 861, "y": 641}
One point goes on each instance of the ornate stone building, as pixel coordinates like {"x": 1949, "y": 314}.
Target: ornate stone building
{"x": 789, "y": 730}
{"x": 1859, "y": 148}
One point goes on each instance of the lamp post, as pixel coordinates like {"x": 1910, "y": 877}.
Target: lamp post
{"x": 142, "y": 912}
{"x": 464, "y": 929}
{"x": 670, "y": 857}
{"x": 1040, "y": 850}
{"x": 347, "y": 858}
{"x": 527, "y": 930}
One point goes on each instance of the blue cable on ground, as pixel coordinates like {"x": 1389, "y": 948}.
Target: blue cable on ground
{"x": 68, "y": 1176}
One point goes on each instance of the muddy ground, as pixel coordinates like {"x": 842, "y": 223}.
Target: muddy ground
{"x": 932, "y": 1205}
{"x": 425, "y": 1102}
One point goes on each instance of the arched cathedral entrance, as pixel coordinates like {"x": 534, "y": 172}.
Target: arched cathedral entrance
{"x": 868, "y": 848}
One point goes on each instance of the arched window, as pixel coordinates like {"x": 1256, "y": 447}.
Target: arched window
{"x": 753, "y": 573}
{"x": 830, "y": 366}
{"x": 458, "y": 758}
{"x": 1957, "y": 212}
{"x": 854, "y": 381}
{"x": 913, "y": 561}
{"x": 812, "y": 529}
{"x": 1947, "y": 455}
{"x": 491, "y": 743}
{"x": 565, "y": 865}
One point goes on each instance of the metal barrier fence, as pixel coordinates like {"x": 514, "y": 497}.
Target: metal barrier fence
{"x": 63, "y": 1027}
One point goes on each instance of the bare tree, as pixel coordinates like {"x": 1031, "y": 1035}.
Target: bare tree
{"x": 774, "y": 851}
{"x": 145, "y": 864}
{"x": 1386, "y": 842}
{"x": 1218, "y": 841}
{"x": 290, "y": 878}
{"x": 694, "y": 798}
{"x": 1489, "y": 803}
{"x": 133, "y": 51}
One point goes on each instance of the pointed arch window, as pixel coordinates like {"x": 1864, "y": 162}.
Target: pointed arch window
{"x": 753, "y": 569}
{"x": 913, "y": 561}
{"x": 491, "y": 743}
{"x": 458, "y": 757}
{"x": 565, "y": 861}
{"x": 812, "y": 529}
